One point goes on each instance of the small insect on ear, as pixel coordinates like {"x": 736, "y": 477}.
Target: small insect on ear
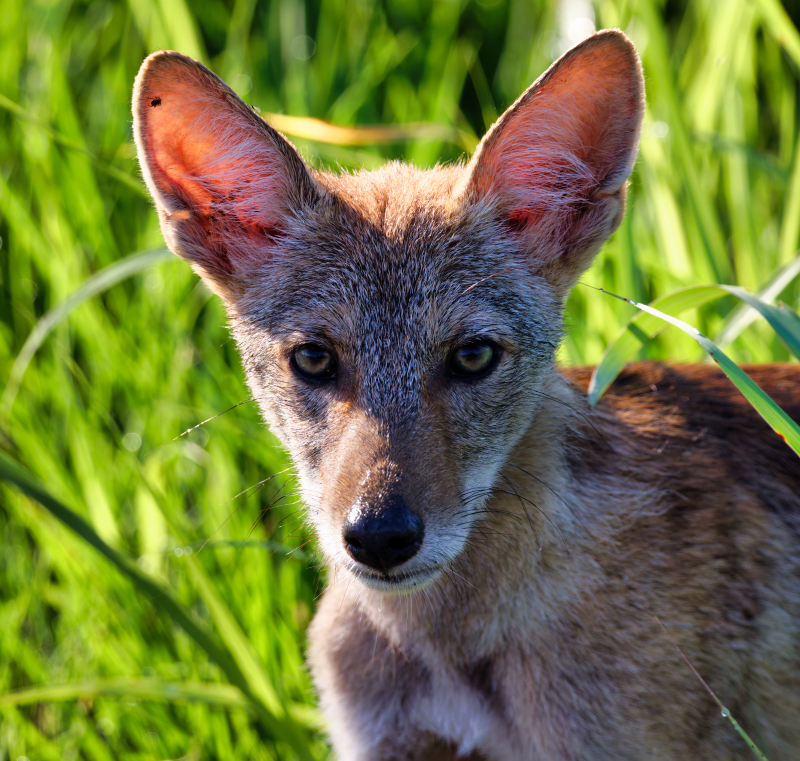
{"x": 227, "y": 185}
{"x": 555, "y": 165}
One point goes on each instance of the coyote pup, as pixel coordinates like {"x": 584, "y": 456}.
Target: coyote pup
{"x": 497, "y": 549}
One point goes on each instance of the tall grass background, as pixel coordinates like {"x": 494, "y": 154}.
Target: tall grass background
{"x": 95, "y": 666}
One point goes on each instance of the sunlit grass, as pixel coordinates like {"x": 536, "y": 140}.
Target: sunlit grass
{"x": 715, "y": 198}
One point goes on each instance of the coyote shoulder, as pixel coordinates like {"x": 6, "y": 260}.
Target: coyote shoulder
{"x": 509, "y": 546}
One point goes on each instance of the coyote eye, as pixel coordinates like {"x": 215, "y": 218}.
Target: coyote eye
{"x": 472, "y": 359}
{"x": 314, "y": 362}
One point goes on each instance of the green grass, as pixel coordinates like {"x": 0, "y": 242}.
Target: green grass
{"x": 106, "y": 669}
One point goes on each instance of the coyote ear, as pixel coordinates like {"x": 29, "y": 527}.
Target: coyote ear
{"x": 555, "y": 164}
{"x": 226, "y": 184}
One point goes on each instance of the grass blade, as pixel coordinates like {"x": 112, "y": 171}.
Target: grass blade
{"x": 210, "y": 693}
{"x": 126, "y": 179}
{"x": 640, "y": 330}
{"x": 158, "y": 595}
{"x": 778, "y": 22}
{"x": 745, "y": 315}
{"x": 708, "y": 223}
{"x": 724, "y": 711}
{"x": 276, "y": 548}
{"x": 325, "y": 132}
{"x": 646, "y": 325}
{"x": 231, "y": 633}
{"x": 223, "y": 695}
{"x": 783, "y": 320}
{"x": 775, "y": 417}
{"x": 98, "y": 283}
{"x": 790, "y": 225}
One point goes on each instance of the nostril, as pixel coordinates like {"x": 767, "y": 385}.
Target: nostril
{"x": 383, "y": 536}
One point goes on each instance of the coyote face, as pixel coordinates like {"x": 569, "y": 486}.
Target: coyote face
{"x": 386, "y": 349}
{"x": 396, "y": 327}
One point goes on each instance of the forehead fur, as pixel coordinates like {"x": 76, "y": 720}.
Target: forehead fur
{"x": 394, "y": 197}
{"x": 387, "y": 240}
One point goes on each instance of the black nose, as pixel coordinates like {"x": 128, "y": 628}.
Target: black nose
{"x": 382, "y": 536}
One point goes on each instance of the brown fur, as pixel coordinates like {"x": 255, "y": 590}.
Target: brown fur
{"x": 524, "y": 626}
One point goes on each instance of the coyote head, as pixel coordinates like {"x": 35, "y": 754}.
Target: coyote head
{"x": 395, "y": 326}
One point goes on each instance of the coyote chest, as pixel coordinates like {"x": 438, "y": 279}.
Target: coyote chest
{"x": 497, "y": 550}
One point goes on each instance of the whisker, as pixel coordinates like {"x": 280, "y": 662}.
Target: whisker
{"x": 285, "y": 518}
{"x": 451, "y": 570}
{"x": 298, "y": 548}
{"x": 274, "y": 503}
{"x": 586, "y": 420}
{"x": 558, "y": 496}
{"x": 195, "y": 427}
{"x": 522, "y": 505}
{"x": 546, "y": 516}
{"x": 256, "y": 486}
{"x": 261, "y": 483}
{"x": 483, "y": 547}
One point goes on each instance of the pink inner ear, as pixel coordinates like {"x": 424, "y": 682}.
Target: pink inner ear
{"x": 570, "y": 139}
{"x": 205, "y": 152}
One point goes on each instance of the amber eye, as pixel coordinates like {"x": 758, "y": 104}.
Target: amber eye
{"x": 473, "y": 359}
{"x": 314, "y": 362}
